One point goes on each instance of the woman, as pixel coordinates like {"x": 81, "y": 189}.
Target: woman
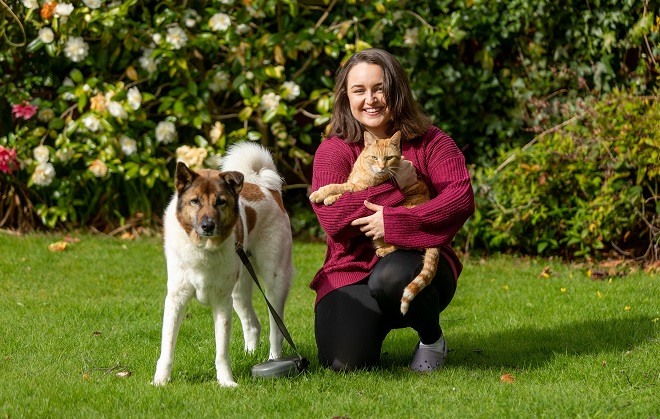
{"x": 358, "y": 295}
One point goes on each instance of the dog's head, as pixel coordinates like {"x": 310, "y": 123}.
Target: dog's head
{"x": 207, "y": 202}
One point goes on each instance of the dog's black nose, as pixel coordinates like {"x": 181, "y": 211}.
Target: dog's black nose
{"x": 208, "y": 225}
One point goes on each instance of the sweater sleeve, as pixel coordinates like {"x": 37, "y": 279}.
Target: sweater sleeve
{"x": 434, "y": 223}
{"x": 333, "y": 163}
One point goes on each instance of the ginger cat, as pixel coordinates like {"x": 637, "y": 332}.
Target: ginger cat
{"x": 377, "y": 163}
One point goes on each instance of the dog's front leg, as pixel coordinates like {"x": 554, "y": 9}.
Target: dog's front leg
{"x": 222, "y": 311}
{"x": 175, "y": 303}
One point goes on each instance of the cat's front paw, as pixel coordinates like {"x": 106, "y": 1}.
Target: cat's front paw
{"x": 331, "y": 199}
{"x": 316, "y": 197}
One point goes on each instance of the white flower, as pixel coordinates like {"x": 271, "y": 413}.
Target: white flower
{"x": 98, "y": 168}
{"x": 43, "y": 174}
{"x": 157, "y": 38}
{"x": 291, "y": 90}
{"x": 31, "y": 4}
{"x": 128, "y": 145}
{"x": 117, "y": 110}
{"x": 63, "y": 9}
{"x": 92, "y": 4}
{"x": 147, "y": 62}
{"x": 166, "y": 132}
{"x": 176, "y": 37}
{"x": 411, "y": 37}
{"x": 41, "y": 154}
{"x": 270, "y": 101}
{"x": 227, "y": 2}
{"x": 190, "y": 18}
{"x": 92, "y": 123}
{"x": 242, "y": 29}
{"x": 64, "y": 155}
{"x": 45, "y": 114}
{"x": 220, "y": 82}
{"x": 216, "y": 132}
{"x": 192, "y": 157}
{"x": 220, "y": 22}
{"x": 76, "y": 49}
{"x": 46, "y": 35}
{"x": 134, "y": 98}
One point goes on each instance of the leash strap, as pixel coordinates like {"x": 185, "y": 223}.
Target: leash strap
{"x": 278, "y": 320}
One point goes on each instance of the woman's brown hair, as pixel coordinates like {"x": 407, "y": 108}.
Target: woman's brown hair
{"x": 407, "y": 116}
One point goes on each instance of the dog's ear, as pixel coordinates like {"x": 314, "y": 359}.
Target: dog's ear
{"x": 234, "y": 180}
{"x": 183, "y": 177}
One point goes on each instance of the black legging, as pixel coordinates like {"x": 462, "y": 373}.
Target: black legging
{"x": 353, "y": 321}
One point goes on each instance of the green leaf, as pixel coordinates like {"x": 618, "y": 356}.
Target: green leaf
{"x": 245, "y": 114}
{"x": 77, "y": 76}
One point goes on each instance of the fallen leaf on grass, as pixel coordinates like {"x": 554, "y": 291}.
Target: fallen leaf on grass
{"x": 507, "y": 378}
{"x": 123, "y": 374}
{"x": 57, "y": 246}
{"x": 127, "y": 236}
{"x": 545, "y": 273}
{"x": 70, "y": 239}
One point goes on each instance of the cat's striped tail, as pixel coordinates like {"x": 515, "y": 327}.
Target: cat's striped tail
{"x": 426, "y": 275}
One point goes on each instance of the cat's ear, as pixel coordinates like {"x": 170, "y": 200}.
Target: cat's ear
{"x": 369, "y": 139}
{"x": 396, "y": 139}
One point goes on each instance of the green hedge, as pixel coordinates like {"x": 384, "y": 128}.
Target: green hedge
{"x": 589, "y": 186}
{"x": 125, "y": 88}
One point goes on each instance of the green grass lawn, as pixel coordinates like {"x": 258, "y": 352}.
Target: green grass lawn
{"x": 71, "y": 321}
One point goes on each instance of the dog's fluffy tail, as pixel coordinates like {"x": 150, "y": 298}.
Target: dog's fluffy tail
{"x": 255, "y": 162}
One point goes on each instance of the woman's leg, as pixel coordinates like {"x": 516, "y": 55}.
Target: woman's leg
{"x": 349, "y": 328}
{"x": 388, "y": 280}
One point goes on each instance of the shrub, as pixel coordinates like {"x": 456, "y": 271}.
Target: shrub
{"x": 583, "y": 188}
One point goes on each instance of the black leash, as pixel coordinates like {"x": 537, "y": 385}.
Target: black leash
{"x": 278, "y": 319}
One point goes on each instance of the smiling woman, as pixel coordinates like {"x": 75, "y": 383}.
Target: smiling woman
{"x": 357, "y": 294}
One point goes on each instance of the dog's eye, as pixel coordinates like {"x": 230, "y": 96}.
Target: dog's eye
{"x": 220, "y": 201}
{"x": 194, "y": 201}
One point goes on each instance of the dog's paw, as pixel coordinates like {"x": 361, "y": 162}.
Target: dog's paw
{"x": 228, "y": 383}
{"x": 159, "y": 382}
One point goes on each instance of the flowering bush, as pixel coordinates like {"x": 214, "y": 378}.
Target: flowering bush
{"x": 99, "y": 98}
{"x": 111, "y": 93}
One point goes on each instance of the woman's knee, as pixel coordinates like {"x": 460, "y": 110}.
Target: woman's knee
{"x": 392, "y": 274}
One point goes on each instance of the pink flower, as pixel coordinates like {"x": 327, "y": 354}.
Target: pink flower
{"x": 8, "y": 160}
{"x": 24, "y": 110}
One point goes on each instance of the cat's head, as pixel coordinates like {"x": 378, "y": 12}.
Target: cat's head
{"x": 382, "y": 155}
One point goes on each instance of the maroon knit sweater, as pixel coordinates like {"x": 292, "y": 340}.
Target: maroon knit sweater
{"x": 350, "y": 256}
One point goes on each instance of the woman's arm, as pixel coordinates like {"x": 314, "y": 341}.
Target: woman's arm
{"x": 436, "y": 222}
{"x": 333, "y": 163}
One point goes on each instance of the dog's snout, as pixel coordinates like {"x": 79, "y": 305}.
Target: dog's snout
{"x": 208, "y": 225}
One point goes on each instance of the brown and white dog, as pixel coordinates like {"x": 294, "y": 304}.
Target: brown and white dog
{"x": 209, "y": 212}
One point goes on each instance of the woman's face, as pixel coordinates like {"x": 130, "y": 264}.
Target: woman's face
{"x": 364, "y": 87}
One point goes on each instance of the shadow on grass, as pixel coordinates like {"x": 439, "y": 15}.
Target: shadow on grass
{"x": 531, "y": 347}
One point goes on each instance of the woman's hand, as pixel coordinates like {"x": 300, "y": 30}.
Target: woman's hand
{"x": 372, "y": 225}
{"x": 406, "y": 175}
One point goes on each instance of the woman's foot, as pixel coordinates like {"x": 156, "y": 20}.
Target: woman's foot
{"x": 431, "y": 357}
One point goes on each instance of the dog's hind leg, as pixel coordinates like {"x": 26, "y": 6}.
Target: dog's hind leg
{"x": 242, "y": 296}
{"x": 222, "y": 322}
{"x": 175, "y": 304}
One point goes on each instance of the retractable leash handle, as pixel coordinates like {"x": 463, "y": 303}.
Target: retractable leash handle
{"x": 281, "y": 367}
